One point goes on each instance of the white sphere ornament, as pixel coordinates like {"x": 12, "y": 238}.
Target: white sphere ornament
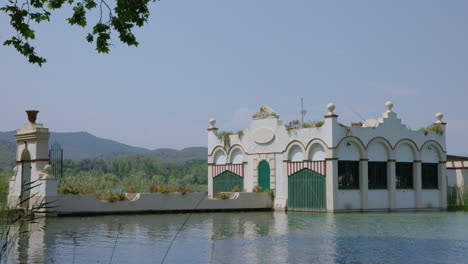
{"x": 331, "y": 107}
{"x": 389, "y": 105}
{"x": 439, "y": 117}
{"x": 212, "y": 122}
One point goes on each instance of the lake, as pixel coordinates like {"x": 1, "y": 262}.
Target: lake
{"x": 250, "y": 237}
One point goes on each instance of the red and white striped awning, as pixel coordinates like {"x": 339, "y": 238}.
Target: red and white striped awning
{"x": 317, "y": 166}
{"x": 234, "y": 168}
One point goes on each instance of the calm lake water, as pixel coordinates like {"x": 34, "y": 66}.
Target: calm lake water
{"x": 251, "y": 237}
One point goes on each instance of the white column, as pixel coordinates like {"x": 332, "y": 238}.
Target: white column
{"x": 363, "y": 182}
{"x": 210, "y": 180}
{"x": 417, "y": 180}
{"x": 332, "y": 184}
{"x": 391, "y": 182}
{"x": 442, "y": 173}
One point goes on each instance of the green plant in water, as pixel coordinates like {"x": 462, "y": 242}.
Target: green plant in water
{"x": 257, "y": 188}
{"x": 438, "y": 128}
{"x": 222, "y": 196}
{"x": 68, "y": 190}
{"x": 236, "y": 189}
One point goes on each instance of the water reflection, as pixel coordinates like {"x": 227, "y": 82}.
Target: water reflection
{"x": 252, "y": 237}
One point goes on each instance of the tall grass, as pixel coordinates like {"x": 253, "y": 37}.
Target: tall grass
{"x": 457, "y": 198}
{"x": 94, "y": 182}
{"x": 5, "y": 176}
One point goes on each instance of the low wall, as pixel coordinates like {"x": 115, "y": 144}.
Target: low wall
{"x": 158, "y": 202}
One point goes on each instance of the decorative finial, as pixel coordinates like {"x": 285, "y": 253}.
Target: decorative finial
{"x": 439, "y": 117}
{"x": 212, "y": 122}
{"x": 32, "y": 115}
{"x": 389, "y": 106}
{"x": 331, "y": 108}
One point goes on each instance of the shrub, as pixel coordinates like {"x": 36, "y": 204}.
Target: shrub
{"x": 236, "y": 189}
{"x": 68, "y": 190}
{"x": 164, "y": 189}
{"x": 438, "y": 128}
{"x": 181, "y": 190}
{"x": 271, "y": 193}
{"x": 111, "y": 197}
{"x": 222, "y": 195}
{"x": 132, "y": 190}
{"x": 319, "y": 123}
{"x": 257, "y": 188}
{"x": 152, "y": 188}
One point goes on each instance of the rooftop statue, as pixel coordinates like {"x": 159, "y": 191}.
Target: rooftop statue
{"x": 265, "y": 112}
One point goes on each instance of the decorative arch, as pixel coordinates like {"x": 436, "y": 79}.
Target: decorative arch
{"x": 412, "y": 145}
{"x": 357, "y": 142}
{"x": 25, "y": 155}
{"x": 313, "y": 144}
{"x": 383, "y": 142}
{"x": 216, "y": 149}
{"x": 292, "y": 149}
{"x": 433, "y": 144}
{"x": 220, "y": 156}
{"x": 233, "y": 155}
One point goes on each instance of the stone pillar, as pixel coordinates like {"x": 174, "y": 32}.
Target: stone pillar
{"x": 210, "y": 180}
{"x": 417, "y": 180}
{"x": 212, "y": 138}
{"x": 332, "y": 137}
{"x": 442, "y": 172}
{"x": 364, "y": 182}
{"x": 32, "y": 170}
{"x": 442, "y": 167}
{"x": 391, "y": 182}
{"x": 332, "y": 184}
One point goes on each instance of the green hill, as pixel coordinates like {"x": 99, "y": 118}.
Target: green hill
{"x": 7, "y": 153}
{"x": 80, "y": 145}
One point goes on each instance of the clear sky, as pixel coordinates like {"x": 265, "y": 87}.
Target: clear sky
{"x": 224, "y": 59}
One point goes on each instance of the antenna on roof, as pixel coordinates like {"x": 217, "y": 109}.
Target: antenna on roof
{"x": 303, "y": 111}
{"x": 364, "y": 121}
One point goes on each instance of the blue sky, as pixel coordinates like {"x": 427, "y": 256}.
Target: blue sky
{"x": 224, "y": 59}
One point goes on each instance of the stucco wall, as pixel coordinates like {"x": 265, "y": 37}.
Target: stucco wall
{"x": 147, "y": 202}
{"x": 405, "y": 199}
{"x": 349, "y": 200}
{"x": 377, "y": 199}
{"x": 430, "y": 198}
{"x": 385, "y": 139}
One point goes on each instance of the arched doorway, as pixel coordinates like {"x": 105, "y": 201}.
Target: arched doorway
{"x": 25, "y": 178}
{"x": 264, "y": 175}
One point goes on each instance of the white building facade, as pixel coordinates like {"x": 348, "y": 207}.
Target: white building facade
{"x": 381, "y": 165}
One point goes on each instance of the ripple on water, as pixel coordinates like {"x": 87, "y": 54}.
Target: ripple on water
{"x": 251, "y": 237}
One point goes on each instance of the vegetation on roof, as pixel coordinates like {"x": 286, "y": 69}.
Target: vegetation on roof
{"x": 224, "y": 136}
{"x": 296, "y": 124}
{"x": 438, "y": 128}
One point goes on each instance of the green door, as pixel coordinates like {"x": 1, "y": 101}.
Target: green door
{"x": 226, "y": 181}
{"x": 264, "y": 175}
{"x": 306, "y": 191}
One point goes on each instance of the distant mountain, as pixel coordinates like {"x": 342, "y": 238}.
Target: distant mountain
{"x": 180, "y": 156}
{"x": 7, "y": 153}
{"x": 79, "y": 145}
